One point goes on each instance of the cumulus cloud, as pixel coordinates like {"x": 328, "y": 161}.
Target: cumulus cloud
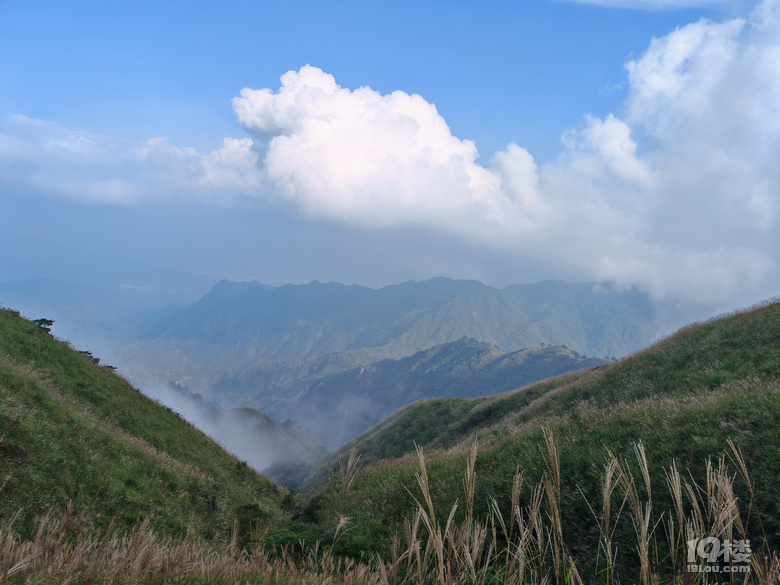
{"x": 708, "y": 98}
{"x": 373, "y": 160}
{"x": 702, "y": 207}
{"x": 370, "y": 159}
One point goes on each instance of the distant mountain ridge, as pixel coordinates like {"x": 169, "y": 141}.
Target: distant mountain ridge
{"x": 296, "y": 317}
{"x": 292, "y": 332}
{"x": 338, "y": 407}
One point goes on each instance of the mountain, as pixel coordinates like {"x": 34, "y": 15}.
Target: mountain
{"x": 338, "y": 407}
{"x": 75, "y": 433}
{"x": 255, "y": 339}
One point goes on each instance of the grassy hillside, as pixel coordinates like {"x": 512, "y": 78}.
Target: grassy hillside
{"x": 72, "y": 431}
{"x": 683, "y": 399}
{"x": 598, "y": 476}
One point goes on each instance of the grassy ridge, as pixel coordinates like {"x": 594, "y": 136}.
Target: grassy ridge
{"x": 73, "y": 431}
{"x": 684, "y": 398}
{"x": 702, "y": 357}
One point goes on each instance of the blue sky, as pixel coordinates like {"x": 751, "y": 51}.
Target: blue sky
{"x": 507, "y": 71}
{"x": 506, "y": 141}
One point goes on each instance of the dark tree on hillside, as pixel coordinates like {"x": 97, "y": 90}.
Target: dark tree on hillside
{"x": 44, "y": 324}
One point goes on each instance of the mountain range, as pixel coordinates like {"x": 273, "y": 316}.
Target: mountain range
{"x": 337, "y": 407}
{"x": 338, "y": 358}
{"x": 259, "y": 341}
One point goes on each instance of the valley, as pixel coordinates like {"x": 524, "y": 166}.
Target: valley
{"x": 538, "y": 431}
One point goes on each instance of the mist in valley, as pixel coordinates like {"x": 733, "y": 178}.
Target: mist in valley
{"x": 246, "y": 433}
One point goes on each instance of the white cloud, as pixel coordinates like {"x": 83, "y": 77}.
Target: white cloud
{"x": 234, "y": 166}
{"x": 370, "y": 159}
{"x": 707, "y": 100}
{"x": 50, "y": 159}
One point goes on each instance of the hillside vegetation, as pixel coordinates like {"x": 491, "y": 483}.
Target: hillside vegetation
{"x": 681, "y": 402}
{"x": 73, "y": 433}
{"x": 598, "y": 476}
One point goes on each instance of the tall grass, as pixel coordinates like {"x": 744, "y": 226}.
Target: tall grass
{"x": 62, "y": 553}
{"x": 522, "y": 545}
{"x": 526, "y": 545}
{"x": 349, "y": 469}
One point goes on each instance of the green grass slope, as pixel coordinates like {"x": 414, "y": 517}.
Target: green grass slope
{"x": 73, "y": 431}
{"x": 684, "y": 398}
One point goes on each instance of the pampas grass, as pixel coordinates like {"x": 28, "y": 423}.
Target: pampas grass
{"x": 522, "y": 546}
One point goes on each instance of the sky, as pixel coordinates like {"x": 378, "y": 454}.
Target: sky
{"x": 168, "y": 145}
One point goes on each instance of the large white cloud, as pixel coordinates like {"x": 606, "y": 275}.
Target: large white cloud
{"x": 372, "y": 159}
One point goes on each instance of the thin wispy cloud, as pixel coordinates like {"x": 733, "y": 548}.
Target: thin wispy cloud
{"x": 650, "y": 4}
{"x": 50, "y": 159}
